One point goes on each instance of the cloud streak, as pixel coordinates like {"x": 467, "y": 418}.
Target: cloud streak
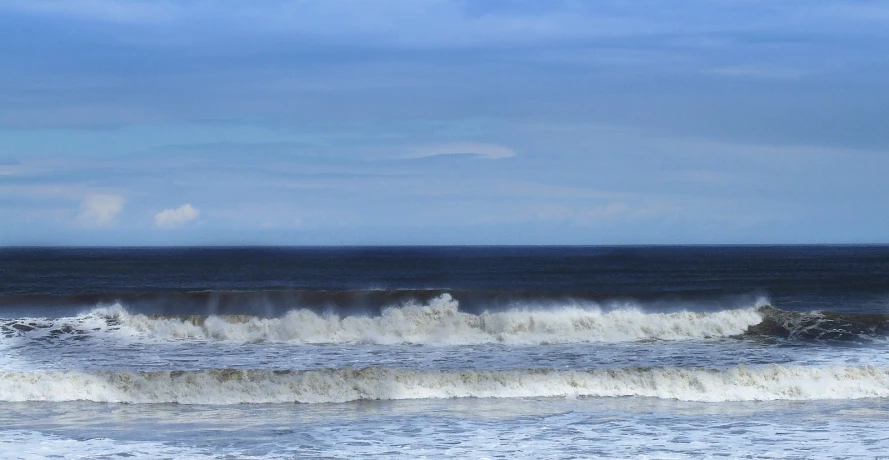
{"x": 486, "y": 151}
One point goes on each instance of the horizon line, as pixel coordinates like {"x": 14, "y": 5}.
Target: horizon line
{"x": 358, "y": 246}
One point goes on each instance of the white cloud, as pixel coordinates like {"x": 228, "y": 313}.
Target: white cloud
{"x": 172, "y": 218}
{"x": 100, "y": 210}
{"x": 487, "y": 151}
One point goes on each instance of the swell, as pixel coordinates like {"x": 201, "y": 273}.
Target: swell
{"x": 440, "y": 321}
{"x": 230, "y": 386}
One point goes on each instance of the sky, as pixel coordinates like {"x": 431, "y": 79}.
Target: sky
{"x": 405, "y": 122}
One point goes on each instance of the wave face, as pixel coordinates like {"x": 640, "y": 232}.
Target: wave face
{"x": 229, "y": 386}
{"x": 438, "y": 322}
{"x": 820, "y": 325}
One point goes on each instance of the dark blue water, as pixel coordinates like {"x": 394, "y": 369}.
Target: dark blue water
{"x": 237, "y": 280}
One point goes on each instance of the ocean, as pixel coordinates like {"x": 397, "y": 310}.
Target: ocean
{"x": 445, "y": 352}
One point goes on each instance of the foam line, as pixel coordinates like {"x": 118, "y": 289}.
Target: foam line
{"x": 227, "y": 386}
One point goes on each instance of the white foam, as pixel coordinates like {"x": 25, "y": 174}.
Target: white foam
{"x": 772, "y": 382}
{"x": 441, "y": 323}
{"x": 34, "y": 445}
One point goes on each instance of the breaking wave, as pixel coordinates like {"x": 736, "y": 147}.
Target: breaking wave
{"x": 438, "y": 322}
{"x": 229, "y": 386}
{"x": 274, "y": 303}
{"x": 441, "y": 321}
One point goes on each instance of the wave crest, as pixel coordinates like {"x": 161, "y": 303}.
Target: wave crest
{"x": 440, "y": 322}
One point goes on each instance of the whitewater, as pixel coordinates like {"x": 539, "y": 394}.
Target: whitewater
{"x": 231, "y": 386}
{"x": 434, "y": 352}
{"x": 439, "y": 322}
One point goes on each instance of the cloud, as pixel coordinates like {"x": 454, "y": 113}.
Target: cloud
{"x": 487, "y": 151}
{"x": 172, "y": 218}
{"x": 100, "y": 210}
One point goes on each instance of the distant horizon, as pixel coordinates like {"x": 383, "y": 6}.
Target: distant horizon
{"x": 360, "y": 246}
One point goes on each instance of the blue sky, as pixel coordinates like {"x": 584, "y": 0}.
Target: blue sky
{"x": 443, "y": 122}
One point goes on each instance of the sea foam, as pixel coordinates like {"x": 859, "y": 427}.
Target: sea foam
{"x": 229, "y": 386}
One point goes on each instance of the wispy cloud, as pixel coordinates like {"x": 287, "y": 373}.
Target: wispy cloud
{"x": 176, "y": 217}
{"x": 405, "y": 22}
{"x": 486, "y": 151}
{"x": 100, "y": 210}
{"x": 424, "y": 23}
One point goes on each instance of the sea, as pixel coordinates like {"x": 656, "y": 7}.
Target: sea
{"x": 661, "y": 352}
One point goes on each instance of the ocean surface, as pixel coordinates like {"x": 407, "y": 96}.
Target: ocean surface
{"x": 462, "y": 352}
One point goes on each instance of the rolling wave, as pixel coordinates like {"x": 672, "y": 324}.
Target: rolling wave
{"x": 230, "y": 386}
{"x": 442, "y": 321}
{"x": 273, "y": 303}
{"x": 438, "y": 322}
